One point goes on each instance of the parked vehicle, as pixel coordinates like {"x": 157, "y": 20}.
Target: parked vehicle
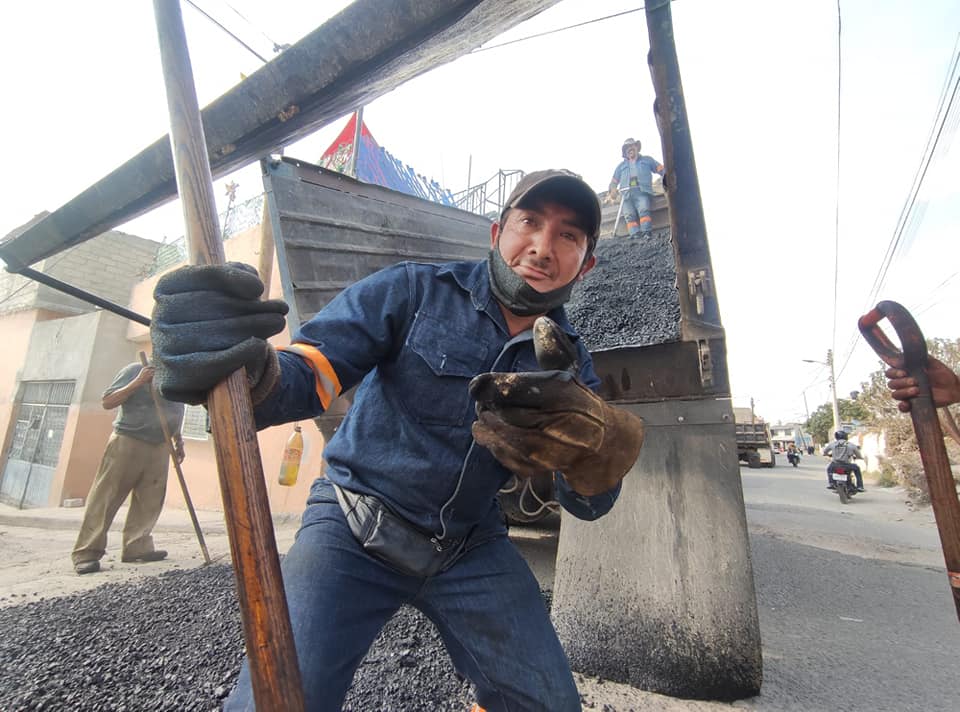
{"x": 843, "y": 481}
{"x": 754, "y": 444}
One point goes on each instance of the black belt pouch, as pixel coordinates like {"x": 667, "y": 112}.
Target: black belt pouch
{"x": 392, "y": 539}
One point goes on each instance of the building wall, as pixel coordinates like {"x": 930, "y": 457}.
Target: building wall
{"x": 16, "y": 293}
{"x": 61, "y": 349}
{"x": 51, "y": 336}
{"x": 873, "y": 445}
{"x": 15, "y": 330}
{"x": 107, "y": 266}
{"x": 200, "y": 466}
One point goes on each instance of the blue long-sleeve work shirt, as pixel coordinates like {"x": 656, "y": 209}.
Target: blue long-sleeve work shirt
{"x": 637, "y": 174}
{"x": 413, "y": 335}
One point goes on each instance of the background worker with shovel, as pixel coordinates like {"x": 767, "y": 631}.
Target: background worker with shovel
{"x": 408, "y": 513}
{"x": 134, "y": 463}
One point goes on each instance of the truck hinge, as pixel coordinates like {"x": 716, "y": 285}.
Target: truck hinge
{"x": 700, "y": 285}
{"x": 706, "y": 363}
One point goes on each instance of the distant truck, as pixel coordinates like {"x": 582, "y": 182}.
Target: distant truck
{"x": 754, "y": 444}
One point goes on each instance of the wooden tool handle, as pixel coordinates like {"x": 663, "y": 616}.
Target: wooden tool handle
{"x": 271, "y": 654}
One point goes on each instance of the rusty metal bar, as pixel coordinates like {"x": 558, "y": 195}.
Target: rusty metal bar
{"x": 55, "y": 283}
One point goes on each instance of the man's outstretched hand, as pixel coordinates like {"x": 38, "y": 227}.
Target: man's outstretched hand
{"x": 548, "y": 421}
{"x": 944, "y": 385}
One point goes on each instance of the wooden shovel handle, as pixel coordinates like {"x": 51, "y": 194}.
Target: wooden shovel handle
{"x": 271, "y": 654}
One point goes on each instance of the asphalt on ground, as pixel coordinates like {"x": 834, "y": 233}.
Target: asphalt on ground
{"x": 840, "y": 632}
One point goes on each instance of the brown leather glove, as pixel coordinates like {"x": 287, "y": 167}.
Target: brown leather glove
{"x": 548, "y": 421}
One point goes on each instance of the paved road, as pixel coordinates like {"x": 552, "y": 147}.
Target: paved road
{"x": 794, "y": 503}
{"x": 855, "y": 609}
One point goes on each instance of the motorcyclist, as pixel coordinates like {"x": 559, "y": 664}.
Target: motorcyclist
{"x": 793, "y": 453}
{"x": 843, "y": 453}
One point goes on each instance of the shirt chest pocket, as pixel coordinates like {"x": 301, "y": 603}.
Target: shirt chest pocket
{"x": 436, "y": 366}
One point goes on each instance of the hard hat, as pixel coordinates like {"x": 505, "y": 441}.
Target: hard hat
{"x": 626, "y": 144}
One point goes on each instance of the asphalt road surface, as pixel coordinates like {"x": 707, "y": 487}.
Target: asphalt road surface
{"x": 854, "y": 605}
{"x": 855, "y": 608}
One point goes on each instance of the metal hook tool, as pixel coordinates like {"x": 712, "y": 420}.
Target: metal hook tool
{"x": 933, "y": 454}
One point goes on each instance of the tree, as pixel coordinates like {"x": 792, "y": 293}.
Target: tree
{"x": 820, "y": 424}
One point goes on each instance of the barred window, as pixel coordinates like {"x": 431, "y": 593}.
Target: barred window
{"x": 195, "y": 423}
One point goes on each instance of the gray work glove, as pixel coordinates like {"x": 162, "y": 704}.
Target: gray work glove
{"x": 548, "y": 421}
{"x": 207, "y": 322}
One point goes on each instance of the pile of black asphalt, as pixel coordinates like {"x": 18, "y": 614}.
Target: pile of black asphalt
{"x": 630, "y": 297}
{"x": 174, "y": 642}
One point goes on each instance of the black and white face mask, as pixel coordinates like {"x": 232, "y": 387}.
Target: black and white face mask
{"x": 515, "y": 294}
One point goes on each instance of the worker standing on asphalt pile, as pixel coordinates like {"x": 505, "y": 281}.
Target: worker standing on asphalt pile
{"x": 459, "y": 390}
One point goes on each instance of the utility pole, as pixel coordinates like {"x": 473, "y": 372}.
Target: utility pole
{"x": 833, "y": 392}
{"x": 806, "y": 423}
{"x": 833, "y": 389}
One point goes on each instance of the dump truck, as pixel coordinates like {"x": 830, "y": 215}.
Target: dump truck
{"x": 754, "y": 444}
{"x": 630, "y": 603}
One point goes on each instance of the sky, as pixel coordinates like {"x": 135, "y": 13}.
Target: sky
{"x": 83, "y": 92}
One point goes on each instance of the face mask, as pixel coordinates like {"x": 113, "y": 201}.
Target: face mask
{"x": 516, "y": 295}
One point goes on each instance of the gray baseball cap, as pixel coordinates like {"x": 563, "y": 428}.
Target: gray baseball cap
{"x": 562, "y": 187}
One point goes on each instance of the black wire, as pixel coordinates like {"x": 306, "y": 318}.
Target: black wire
{"x": 941, "y": 116}
{"x": 250, "y": 49}
{"x": 836, "y": 213}
{"x": 559, "y": 29}
{"x": 917, "y": 180}
{"x": 912, "y": 202}
{"x": 277, "y": 47}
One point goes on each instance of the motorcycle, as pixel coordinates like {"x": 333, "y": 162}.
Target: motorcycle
{"x": 843, "y": 481}
{"x": 793, "y": 457}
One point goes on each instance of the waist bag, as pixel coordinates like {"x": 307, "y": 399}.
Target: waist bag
{"x": 392, "y": 539}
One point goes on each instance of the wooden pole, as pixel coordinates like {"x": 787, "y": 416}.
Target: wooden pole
{"x": 271, "y": 654}
{"x": 168, "y": 437}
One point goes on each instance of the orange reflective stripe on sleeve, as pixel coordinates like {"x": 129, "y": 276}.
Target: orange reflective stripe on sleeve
{"x": 328, "y": 385}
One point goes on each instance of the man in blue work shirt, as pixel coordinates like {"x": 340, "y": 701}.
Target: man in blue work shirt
{"x": 633, "y": 183}
{"x": 453, "y": 400}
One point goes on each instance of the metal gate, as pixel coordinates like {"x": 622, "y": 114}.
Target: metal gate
{"x": 41, "y": 416}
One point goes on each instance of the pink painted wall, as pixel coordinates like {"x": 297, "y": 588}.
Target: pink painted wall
{"x": 16, "y": 329}
{"x": 199, "y": 468}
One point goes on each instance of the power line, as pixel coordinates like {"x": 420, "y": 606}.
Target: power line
{"x": 911, "y": 202}
{"x": 926, "y": 158}
{"x": 277, "y": 47}
{"x": 559, "y": 29}
{"x": 836, "y": 212}
{"x": 250, "y": 49}
{"x": 906, "y": 222}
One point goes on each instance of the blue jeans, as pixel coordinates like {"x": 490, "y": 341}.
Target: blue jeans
{"x": 487, "y": 608}
{"x": 636, "y": 212}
